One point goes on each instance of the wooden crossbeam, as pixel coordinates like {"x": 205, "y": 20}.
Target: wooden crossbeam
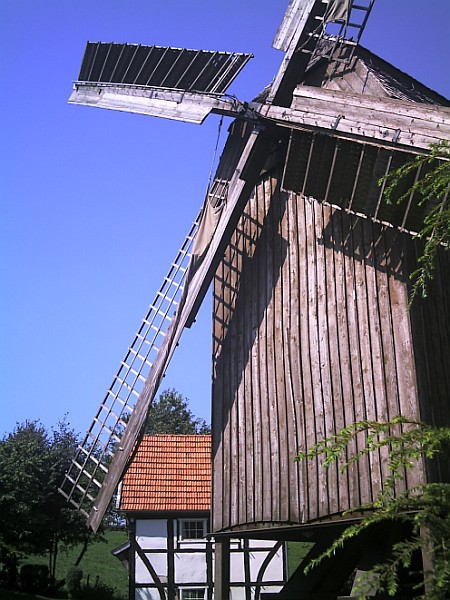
{"x": 410, "y": 126}
{"x": 190, "y": 107}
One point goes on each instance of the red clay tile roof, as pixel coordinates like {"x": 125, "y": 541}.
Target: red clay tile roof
{"x": 169, "y": 473}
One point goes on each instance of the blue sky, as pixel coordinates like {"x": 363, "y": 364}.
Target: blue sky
{"x": 95, "y": 203}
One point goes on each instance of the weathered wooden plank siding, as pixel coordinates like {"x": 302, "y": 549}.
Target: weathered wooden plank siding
{"x": 430, "y": 321}
{"x": 311, "y": 334}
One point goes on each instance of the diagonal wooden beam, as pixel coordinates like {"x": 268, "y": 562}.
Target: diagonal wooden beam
{"x": 250, "y": 162}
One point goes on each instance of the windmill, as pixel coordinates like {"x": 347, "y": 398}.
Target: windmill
{"x": 329, "y": 145}
{"x": 185, "y": 85}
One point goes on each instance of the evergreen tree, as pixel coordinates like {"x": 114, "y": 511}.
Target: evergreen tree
{"x": 426, "y": 508}
{"x": 433, "y": 191}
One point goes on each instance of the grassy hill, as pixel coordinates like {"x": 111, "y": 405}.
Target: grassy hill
{"x": 98, "y": 565}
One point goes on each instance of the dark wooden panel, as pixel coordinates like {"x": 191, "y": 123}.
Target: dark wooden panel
{"x": 430, "y": 320}
{"x": 312, "y": 333}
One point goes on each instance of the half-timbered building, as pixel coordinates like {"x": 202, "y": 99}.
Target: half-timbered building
{"x": 166, "y": 498}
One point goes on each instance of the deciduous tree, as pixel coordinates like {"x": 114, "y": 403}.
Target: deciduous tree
{"x": 170, "y": 413}
{"x": 34, "y": 517}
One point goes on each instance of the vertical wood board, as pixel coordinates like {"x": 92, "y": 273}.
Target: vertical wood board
{"x": 314, "y": 334}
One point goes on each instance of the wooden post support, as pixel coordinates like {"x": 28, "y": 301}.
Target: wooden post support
{"x": 427, "y": 558}
{"x": 171, "y": 589}
{"x": 132, "y": 558}
{"x": 222, "y": 570}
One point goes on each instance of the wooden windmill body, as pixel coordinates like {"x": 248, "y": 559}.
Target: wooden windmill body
{"x": 311, "y": 282}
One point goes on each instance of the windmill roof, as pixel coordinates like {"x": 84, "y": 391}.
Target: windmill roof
{"x": 169, "y": 473}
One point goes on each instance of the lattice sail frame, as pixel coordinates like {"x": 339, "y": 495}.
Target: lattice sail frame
{"x": 90, "y": 465}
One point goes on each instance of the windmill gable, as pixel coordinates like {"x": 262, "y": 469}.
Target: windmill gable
{"x": 366, "y": 73}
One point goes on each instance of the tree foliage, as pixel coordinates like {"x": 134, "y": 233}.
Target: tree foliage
{"x": 170, "y": 413}
{"x": 34, "y": 517}
{"x": 433, "y": 190}
{"x": 426, "y": 508}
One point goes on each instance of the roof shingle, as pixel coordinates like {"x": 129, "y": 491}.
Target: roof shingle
{"x": 169, "y": 473}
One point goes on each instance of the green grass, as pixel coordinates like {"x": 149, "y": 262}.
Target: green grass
{"x": 296, "y": 553}
{"x": 97, "y": 564}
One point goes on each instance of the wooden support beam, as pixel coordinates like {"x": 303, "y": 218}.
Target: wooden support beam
{"x": 293, "y": 24}
{"x": 382, "y": 106}
{"x": 190, "y": 107}
{"x": 222, "y": 570}
{"x": 388, "y": 121}
{"x": 132, "y": 558}
{"x": 251, "y": 161}
{"x": 299, "y": 21}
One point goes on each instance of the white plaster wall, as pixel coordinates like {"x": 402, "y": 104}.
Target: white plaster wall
{"x": 272, "y": 589}
{"x": 190, "y": 568}
{"x": 190, "y": 544}
{"x": 236, "y": 566}
{"x": 147, "y": 594}
{"x": 238, "y": 594}
{"x": 274, "y": 570}
{"x": 151, "y": 533}
{"x": 159, "y": 563}
{"x": 261, "y": 544}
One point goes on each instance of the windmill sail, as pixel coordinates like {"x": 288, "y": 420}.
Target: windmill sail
{"x": 108, "y": 446}
{"x": 174, "y": 83}
{"x": 90, "y": 466}
{"x": 105, "y": 452}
